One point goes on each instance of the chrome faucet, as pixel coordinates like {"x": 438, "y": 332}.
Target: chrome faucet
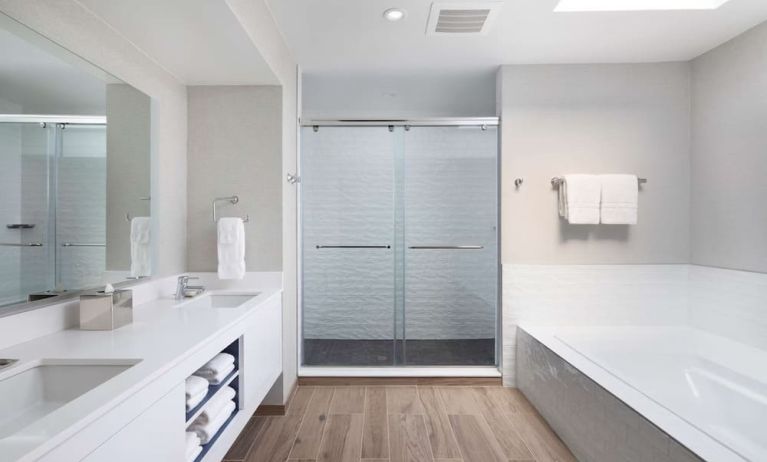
{"x": 183, "y": 289}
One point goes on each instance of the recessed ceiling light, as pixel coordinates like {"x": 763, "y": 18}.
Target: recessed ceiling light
{"x": 394, "y": 14}
{"x": 637, "y": 5}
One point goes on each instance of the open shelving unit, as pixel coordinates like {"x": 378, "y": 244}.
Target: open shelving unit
{"x": 232, "y": 380}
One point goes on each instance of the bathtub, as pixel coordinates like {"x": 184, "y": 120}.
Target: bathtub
{"x": 707, "y": 392}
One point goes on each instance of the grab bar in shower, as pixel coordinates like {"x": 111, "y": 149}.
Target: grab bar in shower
{"x": 446, "y": 247}
{"x": 353, "y": 246}
{"x": 22, "y": 244}
{"x": 78, "y": 244}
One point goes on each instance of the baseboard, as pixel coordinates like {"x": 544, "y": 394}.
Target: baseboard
{"x": 426, "y": 381}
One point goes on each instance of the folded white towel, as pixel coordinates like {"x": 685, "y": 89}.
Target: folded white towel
{"x": 219, "y": 362}
{"x": 192, "y": 443}
{"x": 215, "y": 404}
{"x": 194, "y": 385}
{"x": 215, "y": 377}
{"x": 231, "y": 248}
{"x": 206, "y": 431}
{"x": 193, "y": 401}
{"x": 139, "y": 247}
{"x": 579, "y": 197}
{"x": 620, "y": 197}
{"x": 190, "y": 457}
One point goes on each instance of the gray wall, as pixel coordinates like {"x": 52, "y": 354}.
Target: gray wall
{"x": 397, "y": 96}
{"x": 128, "y": 168}
{"x": 729, "y": 163}
{"x": 235, "y": 148}
{"x": 595, "y": 118}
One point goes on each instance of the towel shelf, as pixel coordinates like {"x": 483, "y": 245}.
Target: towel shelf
{"x": 558, "y": 180}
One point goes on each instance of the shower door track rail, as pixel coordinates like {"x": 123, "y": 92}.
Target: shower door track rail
{"x": 428, "y": 122}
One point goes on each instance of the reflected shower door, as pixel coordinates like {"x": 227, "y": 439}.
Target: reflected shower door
{"x": 81, "y": 189}
{"x": 347, "y": 191}
{"x": 451, "y": 245}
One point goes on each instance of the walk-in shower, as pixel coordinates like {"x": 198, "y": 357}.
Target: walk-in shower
{"x": 399, "y": 231}
{"x": 53, "y": 204}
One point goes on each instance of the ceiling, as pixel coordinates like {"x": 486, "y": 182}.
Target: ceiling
{"x": 34, "y": 81}
{"x": 200, "y": 42}
{"x": 331, "y": 36}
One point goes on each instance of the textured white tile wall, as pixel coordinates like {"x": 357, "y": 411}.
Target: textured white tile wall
{"x": 590, "y": 295}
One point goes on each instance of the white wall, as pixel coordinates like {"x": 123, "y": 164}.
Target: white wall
{"x": 600, "y": 118}
{"x": 729, "y": 217}
{"x": 256, "y": 19}
{"x": 398, "y": 96}
{"x": 235, "y": 149}
{"x": 74, "y": 27}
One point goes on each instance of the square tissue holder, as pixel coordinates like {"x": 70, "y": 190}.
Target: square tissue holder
{"x": 100, "y": 310}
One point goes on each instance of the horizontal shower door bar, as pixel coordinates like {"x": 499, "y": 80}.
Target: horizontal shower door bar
{"x": 432, "y": 122}
{"x": 353, "y": 247}
{"x": 75, "y": 244}
{"x": 23, "y": 244}
{"x": 446, "y": 247}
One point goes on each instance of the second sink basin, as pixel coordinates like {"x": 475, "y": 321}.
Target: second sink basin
{"x": 220, "y": 301}
{"x": 39, "y": 389}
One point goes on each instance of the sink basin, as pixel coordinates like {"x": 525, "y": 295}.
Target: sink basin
{"x": 220, "y": 301}
{"x": 36, "y": 391}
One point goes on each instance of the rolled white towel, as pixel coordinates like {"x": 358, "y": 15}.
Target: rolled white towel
{"x": 194, "y": 385}
{"x": 215, "y": 404}
{"x": 192, "y": 443}
{"x": 193, "y": 401}
{"x": 215, "y": 377}
{"x": 219, "y": 362}
{"x": 206, "y": 431}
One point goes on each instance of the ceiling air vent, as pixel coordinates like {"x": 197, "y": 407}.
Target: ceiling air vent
{"x": 464, "y": 18}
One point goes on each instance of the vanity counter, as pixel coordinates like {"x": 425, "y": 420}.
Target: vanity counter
{"x": 169, "y": 339}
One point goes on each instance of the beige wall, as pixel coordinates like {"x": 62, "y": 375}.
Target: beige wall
{"x": 257, "y": 20}
{"x": 595, "y": 118}
{"x": 74, "y": 27}
{"x": 128, "y": 168}
{"x": 235, "y": 149}
{"x": 729, "y": 163}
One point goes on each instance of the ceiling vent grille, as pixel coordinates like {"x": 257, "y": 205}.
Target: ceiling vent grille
{"x": 462, "y": 18}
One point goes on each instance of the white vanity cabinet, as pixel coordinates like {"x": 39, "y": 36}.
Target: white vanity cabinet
{"x": 261, "y": 355}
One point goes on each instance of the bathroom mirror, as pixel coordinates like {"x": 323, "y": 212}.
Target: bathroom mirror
{"x": 74, "y": 173}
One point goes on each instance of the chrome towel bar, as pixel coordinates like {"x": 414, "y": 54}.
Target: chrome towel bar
{"x": 558, "y": 180}
{"x": 446, "y": 247}
{"x": 353, "y": 246}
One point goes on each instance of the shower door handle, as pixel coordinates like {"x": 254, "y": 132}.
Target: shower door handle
{"x": 353, "y": 246}
{"x": 446, "y": 247}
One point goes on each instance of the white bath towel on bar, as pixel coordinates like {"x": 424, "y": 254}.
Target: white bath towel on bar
{"x": 620, "y": 197}
{"x": 207, "y": 431}
{"x": 231, "y": 248}
{"x": 579, "y": 197}
{"x": 140, "y": 264}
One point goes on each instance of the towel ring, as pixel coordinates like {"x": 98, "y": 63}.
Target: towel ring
{"x": 232, "y": 200}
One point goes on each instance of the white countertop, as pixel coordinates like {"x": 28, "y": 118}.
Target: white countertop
{"x": 161, "y": 336}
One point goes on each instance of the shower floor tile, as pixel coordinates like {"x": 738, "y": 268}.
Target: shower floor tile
{"x": 458, "y": 352}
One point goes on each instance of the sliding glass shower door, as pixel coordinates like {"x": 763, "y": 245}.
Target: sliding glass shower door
{"x": 399, "y": 245}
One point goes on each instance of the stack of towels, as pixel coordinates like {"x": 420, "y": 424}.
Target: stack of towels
{"x": 594, "y": 199}
{"x": 196, "y": 390}
{"x": 217, "y": 369}
{"x": 214, "y": 415}
{"x": 193, "y": 446}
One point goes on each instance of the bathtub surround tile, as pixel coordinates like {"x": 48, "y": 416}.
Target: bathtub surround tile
{"x": 593, "y": 423}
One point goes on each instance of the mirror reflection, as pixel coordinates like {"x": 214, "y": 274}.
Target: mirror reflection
{"x": 74, "y": 172}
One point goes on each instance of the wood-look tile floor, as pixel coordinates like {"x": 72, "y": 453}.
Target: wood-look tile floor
{"x": 401, "y": 423}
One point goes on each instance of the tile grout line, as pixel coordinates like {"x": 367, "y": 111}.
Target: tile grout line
{"x": 325, "y": 426}
{"x": 300, "y": 424}
{"x": 438, "y": 394}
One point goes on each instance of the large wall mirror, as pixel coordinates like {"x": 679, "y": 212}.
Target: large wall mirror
{"x": 74, "y": 173}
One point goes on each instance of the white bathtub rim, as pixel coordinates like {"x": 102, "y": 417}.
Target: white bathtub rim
{"x": 697, "y": 441}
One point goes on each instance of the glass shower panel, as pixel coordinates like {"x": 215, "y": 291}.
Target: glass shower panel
{"x": 451, "y": 245}
{"x": 348, "y": 193}
{"x": 26, "y": 260}
{"x": 81, "y": 206}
